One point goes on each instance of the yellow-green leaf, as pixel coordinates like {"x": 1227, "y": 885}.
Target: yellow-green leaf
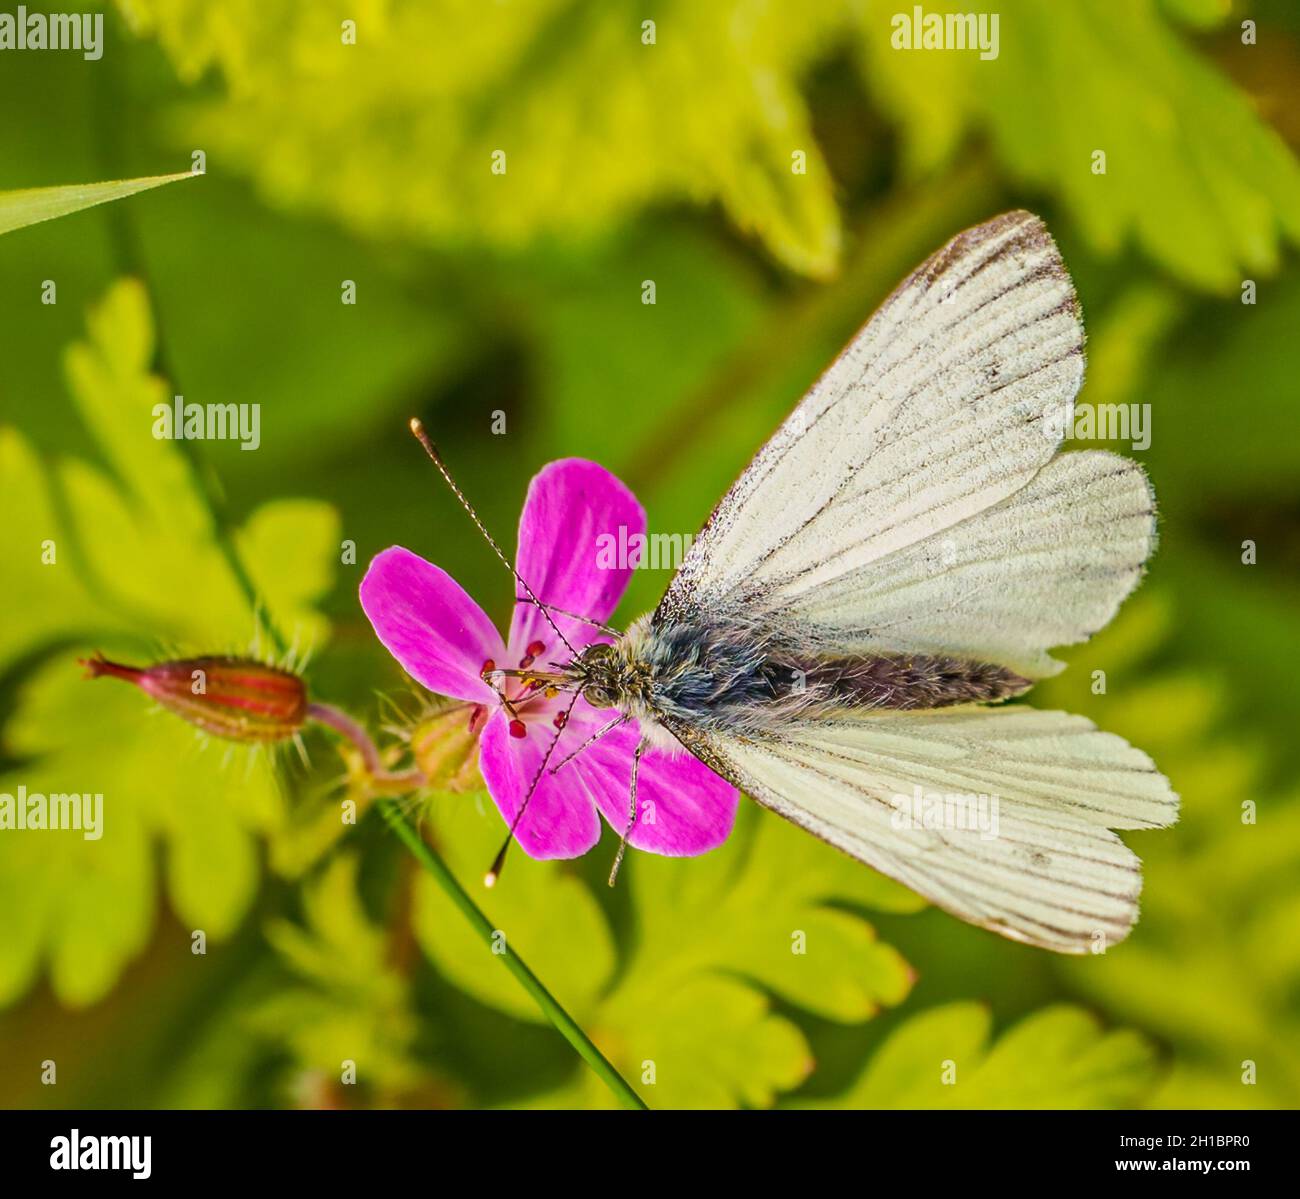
{"x": 544, "y": 119}
{"x": 128, "y": 560}
{"x": 1055, "y": 1058}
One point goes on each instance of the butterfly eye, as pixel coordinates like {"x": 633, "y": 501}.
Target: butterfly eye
{"x": 598, "y": 697}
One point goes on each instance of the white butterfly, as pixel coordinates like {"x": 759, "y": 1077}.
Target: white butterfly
{"x": 905, "y": 550}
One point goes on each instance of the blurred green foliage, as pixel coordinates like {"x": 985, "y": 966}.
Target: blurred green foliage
{"x": 674, "y": 159}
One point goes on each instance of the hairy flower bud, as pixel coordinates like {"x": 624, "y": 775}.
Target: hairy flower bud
{"x": 237, "y": 698}
{"x": 445, "y": 747}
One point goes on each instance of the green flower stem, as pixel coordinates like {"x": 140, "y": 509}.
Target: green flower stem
{"x": 551, "y": 1008}
{"x": 345, "y": 726}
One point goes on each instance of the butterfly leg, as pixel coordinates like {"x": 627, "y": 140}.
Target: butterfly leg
{"x": 631, "y": 810}
{"x": 596, "y": 736}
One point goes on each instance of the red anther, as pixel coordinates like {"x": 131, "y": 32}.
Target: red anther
{"x": 488, "y": 664}
{"x": 526, "y": 661}
{"x": 517, "y": 729}
{"x": 560, "y": 718}
{"x": 476, "y": 715}
{"x": 534, "y": 649}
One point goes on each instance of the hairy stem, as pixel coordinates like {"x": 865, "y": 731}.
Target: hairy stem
{"x": 376, "y": 771}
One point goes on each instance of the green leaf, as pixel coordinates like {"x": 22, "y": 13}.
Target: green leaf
{"x": 542, "y": 909}
{"x": 86, "y": 907}
{"x": 598, "y": 124}
{"x": 146, "y": 535}
{"x": 30, "y": 206}
{"x": 45, "y": 599}
{"x": 713, "y": 112}
{"x": 134, "y": 558}
{"x": 1055, "y": 1058}
{"x": 773, "y": 907}
{"x": 1192, "y": 173}
{"x": 350, "y": 1001}
{"x": 1210, "y": 965}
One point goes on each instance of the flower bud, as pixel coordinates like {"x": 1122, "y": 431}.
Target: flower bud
{"x": 237, "y": 698}
{"x": 445, "y": 747}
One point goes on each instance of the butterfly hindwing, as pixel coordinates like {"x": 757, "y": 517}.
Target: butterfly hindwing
{"x": 1045, "y": 867}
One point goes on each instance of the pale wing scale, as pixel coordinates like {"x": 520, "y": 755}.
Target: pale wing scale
{"x": 1054, "y": 875}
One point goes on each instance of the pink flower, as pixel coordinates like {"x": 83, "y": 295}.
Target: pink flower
{"x": 444, "y": 641}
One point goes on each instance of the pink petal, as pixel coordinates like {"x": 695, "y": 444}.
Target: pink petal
{"x": 683, "y": 808}
{"x": 430, "y": 625}
{"x": 560, "y": 821}
{"x": 571, "y": 504}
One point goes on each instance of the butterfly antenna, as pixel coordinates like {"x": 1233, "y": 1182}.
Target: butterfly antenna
{"x": 587, "y": 620}
{"x": 494, "y": 871}
{"x": 417, "y": 427}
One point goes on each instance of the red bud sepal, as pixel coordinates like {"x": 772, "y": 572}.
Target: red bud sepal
{"x": 239, "y": 699}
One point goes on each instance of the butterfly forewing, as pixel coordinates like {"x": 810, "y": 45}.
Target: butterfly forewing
{"x": 939, "y": 408}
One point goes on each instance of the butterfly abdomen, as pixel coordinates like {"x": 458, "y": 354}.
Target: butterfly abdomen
{"x": 723, "y": 678}
{"x": 914, "y": 681}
